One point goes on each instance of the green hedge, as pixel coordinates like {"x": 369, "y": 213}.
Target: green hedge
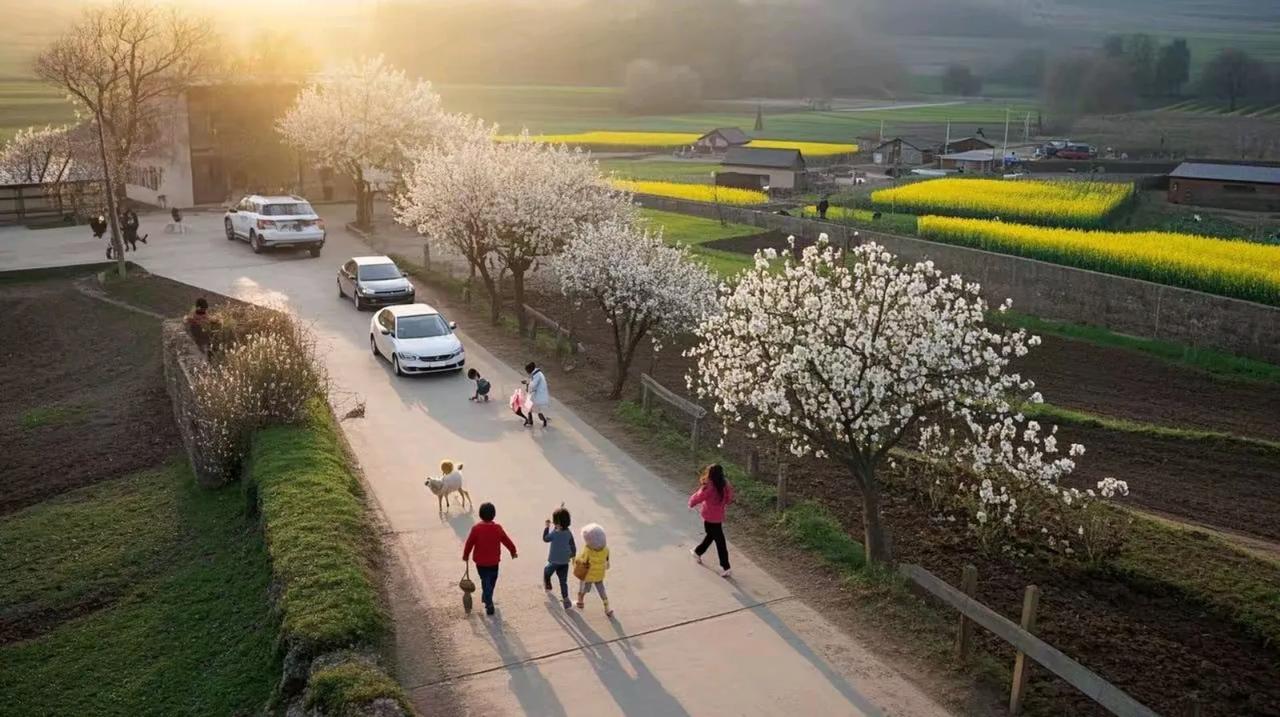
{"x": 322, "y": 549}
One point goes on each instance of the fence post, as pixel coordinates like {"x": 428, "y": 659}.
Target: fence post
{"x": 753, "y": 463}
{"x": 644, "y": 395}
{"x": 968, "y": 586}
{"x": 1030, "y": 601}
{"x": 697, "y": 424}
{"x": 426, "y": 255}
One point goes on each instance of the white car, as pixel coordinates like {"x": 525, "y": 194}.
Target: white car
{"x": 416, "y": 339}
{"x": 268, "y": 222}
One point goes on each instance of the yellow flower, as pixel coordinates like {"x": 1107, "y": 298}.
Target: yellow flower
{"x": 695, "y": 192}
{"x": 1055, "y": 203}
{"x": 808, "y": 149}
{"x": 656, "y": 140}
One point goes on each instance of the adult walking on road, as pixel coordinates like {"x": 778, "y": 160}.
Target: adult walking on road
{"x": 539, "y": 395}
{"x": 714, "y": 494}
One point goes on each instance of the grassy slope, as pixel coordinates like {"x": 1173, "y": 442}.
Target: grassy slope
{"x": 693, "y": 231}
{"x": 180, "y": 580}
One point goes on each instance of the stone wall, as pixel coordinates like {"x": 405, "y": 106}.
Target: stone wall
{"x": 182, "y": 361}
{"x": 1053, "y": 291}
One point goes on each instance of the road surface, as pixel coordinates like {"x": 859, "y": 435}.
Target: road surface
{"x": 684, "y": 641}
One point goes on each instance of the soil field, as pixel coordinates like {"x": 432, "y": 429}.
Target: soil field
{"x": 1123, "y": 628}
{"x": 98, "y": 412}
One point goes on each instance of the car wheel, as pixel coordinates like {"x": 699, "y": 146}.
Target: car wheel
{"x": 340, "y": 294}
{"x": 231, "y": 231}
{"x": 255, "y": 241}
{"x": 359, "y": 303}
{"x": 315, "y": 251}
{"x": 395, "y": 365}
{"x": 373, "y": 346}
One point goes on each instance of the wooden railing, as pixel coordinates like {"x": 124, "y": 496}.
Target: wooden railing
{"x": 649, "y": 387}
{"x": 1029, "y": 646}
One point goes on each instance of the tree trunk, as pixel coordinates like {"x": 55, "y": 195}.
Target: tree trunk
{"x": 364, "y": 201}
{"x": 108, "y": 193}
{"x": 517, "y": 289}
{"x": 620, "y": 378}
{"x": 875, "y": 537}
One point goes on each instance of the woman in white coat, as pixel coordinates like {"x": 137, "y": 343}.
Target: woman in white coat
{"x": 539, "y": 394}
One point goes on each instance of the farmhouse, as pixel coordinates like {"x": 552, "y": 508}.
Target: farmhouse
{"x": 1230, "y": 185}
{"x": 911, "y": 151}
{"x": 756, "y": 168}
{"x": 974, "y": 161}
{"x": 720, "y": 140}
{"x": 966, "y": 144}
{"x": 219, "y": 139}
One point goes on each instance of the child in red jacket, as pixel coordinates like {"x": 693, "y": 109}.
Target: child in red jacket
{"x": 486, "y": 539}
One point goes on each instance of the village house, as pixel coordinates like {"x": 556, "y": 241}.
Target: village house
{"x": 1229, "y": 185}
{"x": 974, "y": 161}
{"x": 903, "y": 151}
{"x": 720, "y": 140}
{"x": 218, "y": 140}
{"x": 756, "y": 168}
{"x": 966, "y": 144}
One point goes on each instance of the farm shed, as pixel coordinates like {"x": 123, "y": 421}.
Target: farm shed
{"x": 784, "y": 168}
{"x": 720, "y": 140}
{"x": 903, "y": 150}
{"x": 975, "y": 161}
{"x": 1251, "y": 187}
{"x": 966, "y": 144}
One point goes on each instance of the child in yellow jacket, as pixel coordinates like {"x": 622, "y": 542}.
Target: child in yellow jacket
{"x": 591, "y": 564}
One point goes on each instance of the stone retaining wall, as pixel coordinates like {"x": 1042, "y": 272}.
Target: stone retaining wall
{"x": 182, "y": 361}
{"x": 1052, "y": 291}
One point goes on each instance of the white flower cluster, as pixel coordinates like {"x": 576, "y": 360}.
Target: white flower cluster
{"x": 844, "y": 355}
{"x": 505, "y": 205}
{"x": 643, "y": 286}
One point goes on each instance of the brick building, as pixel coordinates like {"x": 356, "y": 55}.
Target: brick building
{"x": 1229, "y": 185}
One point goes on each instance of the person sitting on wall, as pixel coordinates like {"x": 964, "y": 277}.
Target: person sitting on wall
{"x": 201, "y": 325}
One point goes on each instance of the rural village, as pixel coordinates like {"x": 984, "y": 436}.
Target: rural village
{"x": 913, "y": 358}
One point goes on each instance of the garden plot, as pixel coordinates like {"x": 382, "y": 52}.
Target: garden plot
{"x": 1053, "y": 203}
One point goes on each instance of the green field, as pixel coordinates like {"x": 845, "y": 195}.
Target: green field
{"x": 148, "y": 596}
{"x": 660, "y": 170}
{"x": 24, "y": 103}
{"x": 694, "y": 231}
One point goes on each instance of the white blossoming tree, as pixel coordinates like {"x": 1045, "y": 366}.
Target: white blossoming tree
{"x": 52, "y": 156}
{"x": 362, "y": 120}
{"x": 643, "y": 286}
{"x": 844, "y": 356}
{"x": 505, "y": 206}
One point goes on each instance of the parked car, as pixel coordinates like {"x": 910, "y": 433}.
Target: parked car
{"x": 416, "y": 339}
{"x": 374, "y": 281}
{"x": 268, "y": 222}
{"x": 1077, "y": 151}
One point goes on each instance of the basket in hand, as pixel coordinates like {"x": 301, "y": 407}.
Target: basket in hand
{"x": 467, "y": 587}
{"x": 580, "y": 569}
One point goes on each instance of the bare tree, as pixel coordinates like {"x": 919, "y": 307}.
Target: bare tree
{"x": 116, "y": 62}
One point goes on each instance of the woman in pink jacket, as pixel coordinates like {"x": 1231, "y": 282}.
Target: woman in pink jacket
{"x": 713, "y": 495}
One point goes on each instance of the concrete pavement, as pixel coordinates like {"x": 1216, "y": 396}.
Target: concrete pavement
{"x": 683, "y": 641}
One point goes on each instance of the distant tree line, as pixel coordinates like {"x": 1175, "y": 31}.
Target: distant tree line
{"x": 711, "y": 48}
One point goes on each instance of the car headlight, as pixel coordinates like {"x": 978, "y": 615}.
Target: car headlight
{"x": 456, "y": 353}
{"x": 406, "y": 356}
{"x": 360, "y": 290}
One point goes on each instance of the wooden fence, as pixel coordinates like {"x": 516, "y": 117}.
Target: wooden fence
{"x": 649, "y": 388}
{"x": 23, "y": 203}
{"x": 1022, "y": 637}
{"x": 564, "y": 336}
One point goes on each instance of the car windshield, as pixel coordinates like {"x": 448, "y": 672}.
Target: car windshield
{"x": 286, "y": 210}
{"x": 422, "y": 326}
{"x": 378, "y": 272}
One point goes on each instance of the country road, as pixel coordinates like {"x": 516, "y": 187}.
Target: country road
{"x": 684, "y": 641}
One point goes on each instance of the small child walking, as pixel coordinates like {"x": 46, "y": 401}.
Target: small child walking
{"x": 482, "y": 385}
{"x": 591, "y": 564}
{"x": 560, "y": 553}
{"x": 486, "y": 540}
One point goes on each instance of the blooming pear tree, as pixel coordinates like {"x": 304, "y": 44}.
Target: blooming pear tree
{"x": 505, "y": 206}
{"x": 51, "y": 156}
{"x": 643, "y": 286}
{"x": 843, "y": 356}
{"x": 362, "y": 120}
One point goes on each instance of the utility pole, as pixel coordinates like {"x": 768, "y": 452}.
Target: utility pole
{"x": 881, "y": 131}
{"x": 1026, "y": 128}
{"x": 1005, "y": 153}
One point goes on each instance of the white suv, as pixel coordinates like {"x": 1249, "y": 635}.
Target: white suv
{"x": 266, "y": 222}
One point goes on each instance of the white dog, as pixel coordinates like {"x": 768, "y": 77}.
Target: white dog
{"x": 450, "y": 481}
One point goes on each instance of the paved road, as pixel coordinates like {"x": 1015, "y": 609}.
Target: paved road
{"x": 684, "y": 641}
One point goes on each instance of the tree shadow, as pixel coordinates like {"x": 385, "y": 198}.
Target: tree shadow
{"x": 534, "y": 692}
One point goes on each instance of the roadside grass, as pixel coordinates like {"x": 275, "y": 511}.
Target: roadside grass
{"x": 1189, "y": 435}
{"x": 694, "y": 231}
{"x": 322, "y": 550}
{"x": 43, "y": 416}
{"x": 1207, "y": 360}
{"x": 153, "y": 598}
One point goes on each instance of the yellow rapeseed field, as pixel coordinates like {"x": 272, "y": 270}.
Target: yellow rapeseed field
{"x": 1060, "y": 203}
{"x": 639, "y": 140}
{"x": 808, "y": 149}
{"x": 695, "y": 192}
{"x": 1244, "y": 270}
